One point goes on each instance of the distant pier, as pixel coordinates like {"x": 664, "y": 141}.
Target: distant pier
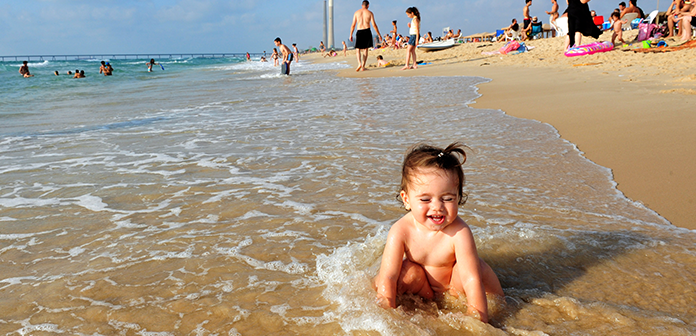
{"x": 122, "y": 56}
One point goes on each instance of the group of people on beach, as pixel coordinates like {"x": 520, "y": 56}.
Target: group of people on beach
{"x": 363, "y": 19}
{"x": 106, "y": 69}
{"x": 581, "y": 20}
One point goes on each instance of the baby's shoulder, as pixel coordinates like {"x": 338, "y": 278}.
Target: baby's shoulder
{"x": 458, "y": 226}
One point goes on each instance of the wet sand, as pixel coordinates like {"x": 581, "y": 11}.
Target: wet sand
{"x": 631, "y": 112}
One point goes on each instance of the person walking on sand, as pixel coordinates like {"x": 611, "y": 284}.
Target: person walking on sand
{"x": 554, "y": 12}
{"x": 345, "y": 49}
{"x": 393, "y": 40}
{"x": 362, "y": 19}
{"x": 24, "y": 70}
{"x": 414, "y": 32}
{"x": 579, "y": 23}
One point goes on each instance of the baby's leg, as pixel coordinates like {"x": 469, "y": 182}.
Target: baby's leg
{"x": 412, "y": 279}
{"x": 491, "y": 284}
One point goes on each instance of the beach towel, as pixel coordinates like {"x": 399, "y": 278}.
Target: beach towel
{"x": 508, "y": 47}
{"x": 687, "y": 45}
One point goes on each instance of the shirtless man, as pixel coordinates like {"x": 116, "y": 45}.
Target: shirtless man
{"x": 525, "y": 14}
{"x": 287, "y": 55}
{"x": 553, "y": 12}
{"x": 24, "y": 70}
{"x": 363, "y": 37}
{"x": 632, "y": 8}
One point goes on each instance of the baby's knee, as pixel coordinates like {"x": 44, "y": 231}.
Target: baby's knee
{"x": 412, "y": 278}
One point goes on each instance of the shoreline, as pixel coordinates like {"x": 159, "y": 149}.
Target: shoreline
{"x": 630, "y": 112}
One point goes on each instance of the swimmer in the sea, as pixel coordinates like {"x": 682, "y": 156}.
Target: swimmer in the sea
{"x": 24, "y": 70}
{"x": 151, "y": 64}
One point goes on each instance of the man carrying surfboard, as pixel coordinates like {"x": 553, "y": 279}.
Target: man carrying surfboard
{"x": 287, "y": 56}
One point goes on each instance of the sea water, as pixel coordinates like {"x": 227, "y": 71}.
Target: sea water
{"x": 218, "y": 197}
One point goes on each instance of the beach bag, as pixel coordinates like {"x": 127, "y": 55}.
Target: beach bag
{"x": 645, "y": 31}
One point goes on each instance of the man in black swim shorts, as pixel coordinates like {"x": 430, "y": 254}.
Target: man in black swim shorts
{"x": 362, "y": 19}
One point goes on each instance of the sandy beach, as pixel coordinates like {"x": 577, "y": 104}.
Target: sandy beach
{"x": 632, "y": 112}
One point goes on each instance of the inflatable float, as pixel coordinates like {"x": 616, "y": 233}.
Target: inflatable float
{"x": 589, "y": 49}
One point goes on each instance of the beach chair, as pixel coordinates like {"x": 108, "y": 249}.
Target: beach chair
{"x": 513, "y": 35}
{"x": 561, "y": 26}
{"x": 537, "y": 30}
{"x": 651, "y": 17}
{"x": 627, "y": 19}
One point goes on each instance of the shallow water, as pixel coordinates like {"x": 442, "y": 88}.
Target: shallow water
{"x": 218, "y": 197}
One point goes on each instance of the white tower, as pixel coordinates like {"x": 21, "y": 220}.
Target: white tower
{"x": 330, "y": 42}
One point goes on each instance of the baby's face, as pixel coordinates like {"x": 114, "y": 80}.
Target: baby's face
{"x": 433, "y": 198}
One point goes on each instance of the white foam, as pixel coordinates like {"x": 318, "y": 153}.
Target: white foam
{"x": 28, "y": 328}
{"x": 91, "y": 202}
{"x": 253, "y": 214}
{"x": 76, "y": 251}
{"x": 301, "y": 208}
{"x": 21, "y": 202}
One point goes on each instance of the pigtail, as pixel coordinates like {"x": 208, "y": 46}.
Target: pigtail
{"x": 426, "y": 156}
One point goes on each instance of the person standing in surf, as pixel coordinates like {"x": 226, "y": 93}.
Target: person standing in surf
{"x": 24, "y": 70}
{"x": 414, "y": 35}
{"x": 295, "y": 52}
{"x": 362, "y": 19}
{"x": 287, "y": 56}
{"x": 151, "y": 64}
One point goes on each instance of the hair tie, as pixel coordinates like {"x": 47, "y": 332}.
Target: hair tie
{"x": 441, "y": 154}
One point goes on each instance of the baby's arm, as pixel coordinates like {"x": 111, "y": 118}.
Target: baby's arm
{"x": 470, "y": 273}
{"x": 389, "y": 271}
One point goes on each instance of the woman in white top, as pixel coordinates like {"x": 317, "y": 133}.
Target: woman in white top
{"x": 414, "y": 31}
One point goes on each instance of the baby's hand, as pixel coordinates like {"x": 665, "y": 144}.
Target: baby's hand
{"x": 382, "y": 301}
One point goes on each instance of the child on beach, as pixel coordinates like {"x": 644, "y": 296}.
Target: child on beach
{"x": 275, "y": 57}
{"x": 616, "y": 26}
{"x": 381, "y": 62}
{"x": 414, "y": 32}
{"x": 431, "y": 249}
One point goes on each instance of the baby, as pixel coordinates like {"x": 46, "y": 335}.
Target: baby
{"x": 431, "y": 249}
{"x": 381, "y": 62}
{"x": 616, "y": 26}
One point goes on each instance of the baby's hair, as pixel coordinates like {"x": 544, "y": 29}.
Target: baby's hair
{"x": 424, "y": 156}
{"x": 615, "y": 15}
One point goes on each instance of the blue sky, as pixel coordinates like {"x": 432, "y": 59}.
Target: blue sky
{"x": 57, "y": 27}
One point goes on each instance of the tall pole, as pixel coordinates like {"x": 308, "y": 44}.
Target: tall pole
{"x": 324, "y": 22}
{"x": 331, "y": 25}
